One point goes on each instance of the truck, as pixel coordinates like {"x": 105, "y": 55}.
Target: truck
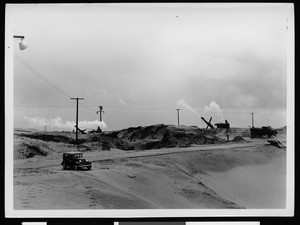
{"x": 263, "y": 131}
{"x": 75, "y": 160}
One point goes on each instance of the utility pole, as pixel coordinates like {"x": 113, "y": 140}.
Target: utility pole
{"x": 178, "y": 116}
{"x": 77, "y": 116}
{"x": 100, "y": 112}
{"x": 46, "y": 125}
{"x": 252, "y": 120}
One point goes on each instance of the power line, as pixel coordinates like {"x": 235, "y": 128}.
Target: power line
{"x": 125, "y": 107}
{"x": 42, "y": 106}
{"x": 114, "y": 107}
{"x": 38, "y": 74}
{"x": 141, "y": 108}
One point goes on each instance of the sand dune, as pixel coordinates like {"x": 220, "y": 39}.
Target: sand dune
{"x": 246, "y": 174}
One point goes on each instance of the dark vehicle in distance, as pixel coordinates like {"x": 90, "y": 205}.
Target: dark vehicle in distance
{"x": 75, "y": 160}
{"x": 263, "y": 131}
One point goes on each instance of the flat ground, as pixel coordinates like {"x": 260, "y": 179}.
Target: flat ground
{"x": 245, "y": 174}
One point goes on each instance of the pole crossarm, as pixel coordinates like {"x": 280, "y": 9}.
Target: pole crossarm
{"x": 77, "y": 98}
{"x": 18, "y": 36}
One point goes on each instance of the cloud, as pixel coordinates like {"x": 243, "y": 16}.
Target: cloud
{"x": 59, "y": 124}
{"x": 182, "y": 103}
{"x": 92, "y": 124}
{"x": 236, "y": 59}
{"x": 214, "y": 108}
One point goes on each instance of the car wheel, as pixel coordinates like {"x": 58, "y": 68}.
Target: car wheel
{"x": 76, "y": 168}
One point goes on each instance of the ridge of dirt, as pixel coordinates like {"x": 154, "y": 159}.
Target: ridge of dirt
{"x": 41, "y": 143}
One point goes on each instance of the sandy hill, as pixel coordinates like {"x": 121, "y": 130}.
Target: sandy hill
{"x": 29, "y": 143}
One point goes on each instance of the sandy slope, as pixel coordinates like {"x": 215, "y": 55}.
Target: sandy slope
{"x": 261, "y": 186}
{"x": 232, "y": 175}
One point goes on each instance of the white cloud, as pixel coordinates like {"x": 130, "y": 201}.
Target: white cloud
{"x": 182, "y": 103}
{"x": 92, "y": 124}
{"x": 59, "y": 124}
{"x": 225, "y": 54}
{"x": 214, "y": 108}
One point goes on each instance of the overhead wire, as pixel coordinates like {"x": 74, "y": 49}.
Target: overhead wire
{"x": 122, "y": 107}
{"x": 138, "y": 108}
{"x": 38, "y": 74}
{"x": 94, "y": 106}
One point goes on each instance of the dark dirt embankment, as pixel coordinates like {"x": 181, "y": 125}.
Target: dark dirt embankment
{"x": 39, "y": 143}
{"x": 133, "y": 138}
{"x": 55, "y": 137}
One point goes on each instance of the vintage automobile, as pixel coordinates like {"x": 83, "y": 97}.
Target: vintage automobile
{"x": 263, "y": 131}
{"x": 75, "y": 160}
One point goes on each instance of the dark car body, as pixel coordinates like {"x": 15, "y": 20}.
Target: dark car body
{"x": 75, "y": 160}
{"x": 263, "y": 131}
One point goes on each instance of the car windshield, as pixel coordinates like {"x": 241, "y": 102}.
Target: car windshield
{"x": 74, "y": 156}
{"x": 78, "y": 155}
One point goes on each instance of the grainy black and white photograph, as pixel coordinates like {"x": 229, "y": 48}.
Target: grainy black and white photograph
{"x": 152, "y": 109}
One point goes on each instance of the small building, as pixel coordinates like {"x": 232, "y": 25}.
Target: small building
{"x": 223, "y": 125}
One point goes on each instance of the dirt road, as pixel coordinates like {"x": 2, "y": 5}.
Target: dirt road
{"x": 162, "y": 178}
{"x": 114, "y": 154}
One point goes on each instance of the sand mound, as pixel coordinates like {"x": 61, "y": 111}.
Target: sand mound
{"x": 243, "y": 132}
{"x": 153, "y": 137}
{"x": 149, "y": 132}
{"x": 238, "y": 139}
{"x": 163, "y": 136}
{"x": 47, "y": 136}
{"x": 26, "y": 150}
{"x": 136, "y": 138}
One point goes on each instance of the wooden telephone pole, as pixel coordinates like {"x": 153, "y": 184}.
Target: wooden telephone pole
{"x": 100, "y": 112}
{"x": 77, "y": 116}
{"x": 178, "y": 116}
{"x": 252, "y": 120}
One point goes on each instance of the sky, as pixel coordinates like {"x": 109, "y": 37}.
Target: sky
{"x": 141, "y": 62}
